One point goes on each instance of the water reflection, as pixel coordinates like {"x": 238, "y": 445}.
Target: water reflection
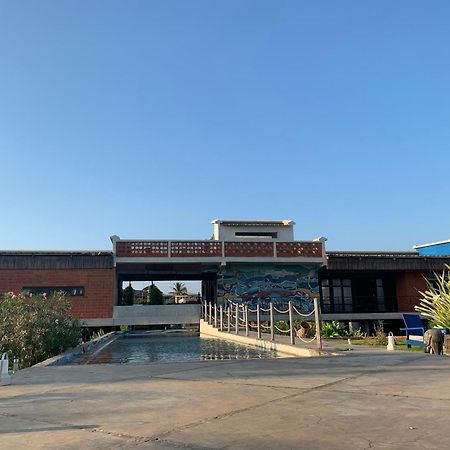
{"x": 126, "y": 350}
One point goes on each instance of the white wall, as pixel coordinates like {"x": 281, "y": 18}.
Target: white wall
{"x": 156, "y": 314}
{"x": 227, "y": 233}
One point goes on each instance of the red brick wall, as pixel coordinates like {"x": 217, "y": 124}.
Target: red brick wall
{"x": 97, "y": 301}
{"x": 408, "y": 285}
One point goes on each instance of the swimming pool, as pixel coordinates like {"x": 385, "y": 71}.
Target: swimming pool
{"x": 129, "y": 349}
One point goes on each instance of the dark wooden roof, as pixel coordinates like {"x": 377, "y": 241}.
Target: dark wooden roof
{"x": 55, "y": 260}
{"x": 384, "y": 261}
{"x": 336, "y": 261}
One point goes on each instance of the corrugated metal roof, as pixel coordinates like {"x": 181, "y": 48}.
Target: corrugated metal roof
{"x": 432, "y": 243}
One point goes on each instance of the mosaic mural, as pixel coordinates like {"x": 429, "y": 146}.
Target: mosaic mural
{"x": 264, "y": 284}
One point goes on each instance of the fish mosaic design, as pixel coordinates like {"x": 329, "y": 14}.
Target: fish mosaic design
{"x": 264, "y": 284}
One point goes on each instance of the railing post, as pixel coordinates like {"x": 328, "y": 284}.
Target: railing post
{"x": 205, "y": 310}
{"x": 246, "y": 320}
{"x": 221, "y": 318}
{"x": 210, "y": 313}
{"x": 291, "y": 322}
{"x": 237, "y": 319}
{"x": 229, "y": 318}
{"x": 272, "y": 329}
{"x": 215, "y": 315}
{"x": 317, "y": 319}
{"x": 258, "y": 320}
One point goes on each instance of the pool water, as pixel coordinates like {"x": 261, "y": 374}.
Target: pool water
{"x": 147, "y": 349}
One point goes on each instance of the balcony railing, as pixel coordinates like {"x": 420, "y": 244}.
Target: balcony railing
{"x": 218, "y": 249}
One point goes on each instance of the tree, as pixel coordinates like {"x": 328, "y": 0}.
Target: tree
{"x": 36, "y": 327}
{"x": 154, "y": 295}
{"x": 178, "y": 289}
{"x": 435, "y": 302}
{"x": 128, "y": 295}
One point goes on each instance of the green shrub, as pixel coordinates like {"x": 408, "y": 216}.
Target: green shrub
{"x": 128, "y": 295}
{"x": 380, "y": 334}
{"x": 282, "y": 325}
{"x": 332, "y": 329}
{"x": 435, "y": 302}
{"x": 34, "y": 328}
{"x": 358, "y": 333}
{"x": 155, "y": 295}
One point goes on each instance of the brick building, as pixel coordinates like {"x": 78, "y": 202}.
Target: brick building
{"x": 375, "y": 285}
{"x": 87, "y": 278}
{"x": 244, "y": 261}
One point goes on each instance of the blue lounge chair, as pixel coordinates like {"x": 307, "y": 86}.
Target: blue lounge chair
{"x": 415, "y": 329}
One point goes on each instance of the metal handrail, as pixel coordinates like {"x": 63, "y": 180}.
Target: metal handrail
{"x": 237, "y": 317}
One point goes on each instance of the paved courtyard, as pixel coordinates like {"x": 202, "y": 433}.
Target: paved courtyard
{"x": 361, "y": 400}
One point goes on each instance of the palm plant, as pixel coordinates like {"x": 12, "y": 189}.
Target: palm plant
{"x": 178, "y": 289}
{"x": 435, "y": 302}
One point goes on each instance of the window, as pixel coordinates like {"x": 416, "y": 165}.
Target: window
{"x": 432, "y": 280}
{"x": 337, "y": 295}
{"x": 326, "y": 299}
{"x": 69, "y": 291}
{"x": 342, "y": 295}
{"x": 256, "y": 234}
{"x": 381, "y": 306}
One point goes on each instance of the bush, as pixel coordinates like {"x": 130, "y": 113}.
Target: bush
{"x": 128, "y": 295}
{"x": 357, "y": 333}
{"x": 435, "y": 302}
{"x": 380, "y": 334}
{"x": 155, "y": 296}
{"x": 34, "y": 328}
{"x": 282, "y": 325}
{"x": 332, "y": 329}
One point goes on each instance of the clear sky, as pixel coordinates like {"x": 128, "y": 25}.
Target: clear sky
{"x": 147, "y": 119}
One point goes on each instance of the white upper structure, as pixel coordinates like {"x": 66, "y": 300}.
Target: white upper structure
{"x": 253, "y": 230}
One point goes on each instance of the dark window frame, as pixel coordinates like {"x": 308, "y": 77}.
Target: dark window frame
{"x": 68, "y": 291}
{"x": 256, "y": 234}
{"x": 336, "y": 295}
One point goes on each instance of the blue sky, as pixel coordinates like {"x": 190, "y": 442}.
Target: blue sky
{"x": 147, "y": 119}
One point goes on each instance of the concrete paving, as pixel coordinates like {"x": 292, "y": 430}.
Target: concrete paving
{"x": 363, "y": 399}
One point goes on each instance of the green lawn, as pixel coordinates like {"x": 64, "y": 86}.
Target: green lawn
{"x": 400, "y": 343}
